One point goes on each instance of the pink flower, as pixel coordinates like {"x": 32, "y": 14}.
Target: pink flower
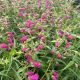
{"x": 20, "y": 14}
{"x": 57, "y": 44}
{"x": 40, "y": 46}
{"x": 3, "y": 45}
{"x": 36, "y": 16}
{"x": 39, "y": 20}
{"x": 52, "y": 20}
{"x": 24, "y": 38}
{"x": 59, "y": 55}
{"x": 47, "y": 3}
{"x": 55, "y": 76}
{"x": 24, "y": 49}
{"x": 29, "y": 73}
{"x": 22, "y": 9}
{"x": 65, "y": 34}
{"x": 36, "y": 64}
{"x": 70, "y": 37}
{"x": 34, "y": 77}
{"x": 32, "y": 31}
{"x": 67, "y": 17}
{"x": 28, "y": 57}
{"x": 68, "y": 44}
{"x": 39, "y": 3}
{"x": 60, "y": 32}
{"x": 10, "y": 34}
{"x": 41, "y": 28}
{"x": 42, "y": 37}
{"x": 29, "y": 23}
{"x": 11, "y": 40}
{"x": 22, "y": 30}
{"x": 43, "y": 17}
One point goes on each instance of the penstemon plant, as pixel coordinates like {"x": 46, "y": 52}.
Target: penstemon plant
{"x": 41, "y": 42}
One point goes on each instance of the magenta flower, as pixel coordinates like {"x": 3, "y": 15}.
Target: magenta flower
{"x": 40, "y": 46}
{"x": 52, "y": 20}
{"x": 10, "y": 38}
{"x": 11, "y": 41}
{"x": 43, "y": 17}
{"x": 36, "y": 64}
{"x": 32, "y": 75}
{"x": 11, "y": 34}
{"x": 65, "y": 34}
{"x": 29, "y": 23}
{"x": 22, "y": 9}
{"x": 39, "y": 20}
{"x": 70, "y": 37}
{"x": 57, "y": 44}
{"x": 32, "y": 31}
{"x": 59, "y": 55}
{"x": 20, "y": 14}
{"x": 28, "y": 57}
{"x": 24, "y": 49}
{"x": 68, "y": 44}
{"x": 36, "y": 16}
{"x": 47, "y": 3}
{"x": 39, "y": 3}
{"x": 60, "y": 32}
{"x": 24, "y": 38}
{"x": 42, "y": 37}
{"x": 55, "y": 76}
{"x": 29, "y": 73}
{"x": 41, "y": 28}
{"x": 3, "y": 45}
{"x": 67, "y": 17}
{"x": 22, "y": 30}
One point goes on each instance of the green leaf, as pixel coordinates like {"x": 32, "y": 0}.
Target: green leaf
{"x": 68, "y": 65}
{"x": 13, "y": 52}
{"x": 1, "y": 62}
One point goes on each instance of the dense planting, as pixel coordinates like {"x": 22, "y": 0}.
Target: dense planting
{"x": 40, "y": 40}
